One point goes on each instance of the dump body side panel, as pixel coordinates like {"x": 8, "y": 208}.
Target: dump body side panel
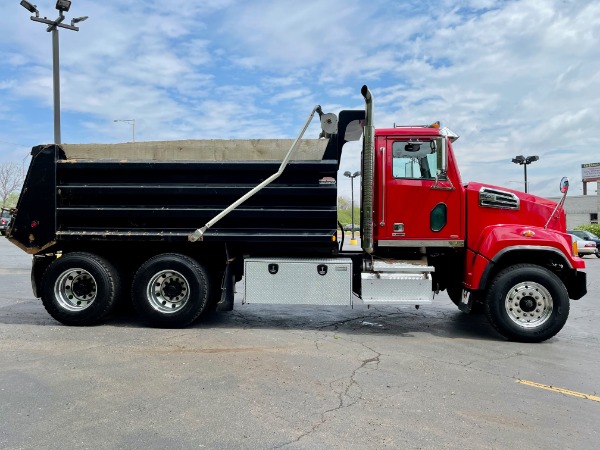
{"x": 166, "y": 199}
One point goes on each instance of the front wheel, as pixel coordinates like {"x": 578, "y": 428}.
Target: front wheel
{"x": 527, "y": 303}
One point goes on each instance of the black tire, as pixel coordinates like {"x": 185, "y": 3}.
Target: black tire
{"x": 527, "y": 303}
{"x": 597, "y": 253}
{"x": 80, "y": 289}
{"x": 455, "y": 293}
{"x": 170, "y": 290}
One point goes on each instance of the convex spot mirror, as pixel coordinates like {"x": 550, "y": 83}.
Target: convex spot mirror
{"x": 564, "y": 185}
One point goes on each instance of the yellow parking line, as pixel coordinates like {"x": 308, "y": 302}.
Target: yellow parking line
{"x": 560, "y": 390}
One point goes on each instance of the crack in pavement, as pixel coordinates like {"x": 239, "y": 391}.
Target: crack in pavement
{"x": 339, "y": 323}
{"x": 345, "y": 393}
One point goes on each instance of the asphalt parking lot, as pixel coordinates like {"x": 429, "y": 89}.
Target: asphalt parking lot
{"x": 294, "y": 378}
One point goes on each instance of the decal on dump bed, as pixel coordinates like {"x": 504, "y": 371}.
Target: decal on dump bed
{"x": 327, "y": 180}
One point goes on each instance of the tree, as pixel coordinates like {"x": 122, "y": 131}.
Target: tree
{"x": 345, "y": 211}
{"x": 10, "y": 181}
{"x": 12, "y": 200}
{"x": 343, "y": 203}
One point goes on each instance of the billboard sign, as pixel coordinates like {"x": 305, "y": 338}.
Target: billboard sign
{"x": 590, "y": 172}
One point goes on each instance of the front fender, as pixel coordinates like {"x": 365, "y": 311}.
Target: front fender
{"x": 498, "y": 241}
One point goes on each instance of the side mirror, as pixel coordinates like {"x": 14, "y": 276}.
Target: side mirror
{"x": 442, "y": 156}
{"x": 564, "y": 187}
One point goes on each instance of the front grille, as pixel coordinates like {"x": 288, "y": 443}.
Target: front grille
{"x": 494, "y": 198}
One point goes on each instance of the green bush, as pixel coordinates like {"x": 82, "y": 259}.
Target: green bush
{"x": 594, "y": 228}
{"x": 345, "y": 216}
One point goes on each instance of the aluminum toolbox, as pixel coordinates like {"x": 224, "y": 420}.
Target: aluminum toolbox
{"x": 298, "y": 281}
{"x": 398, "y": 283}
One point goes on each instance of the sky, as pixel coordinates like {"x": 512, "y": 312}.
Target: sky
{"x": 510, "y": 77}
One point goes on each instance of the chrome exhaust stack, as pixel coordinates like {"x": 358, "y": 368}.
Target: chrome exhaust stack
{"x": 368, "y": 173}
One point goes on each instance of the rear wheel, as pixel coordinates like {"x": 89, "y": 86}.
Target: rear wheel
{"x": 170, "y": 290}
{"x": 79, "y": 289}
{"x": 527, "y": 303}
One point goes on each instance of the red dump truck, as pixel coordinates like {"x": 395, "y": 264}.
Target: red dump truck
{"x": 172, "y": 226}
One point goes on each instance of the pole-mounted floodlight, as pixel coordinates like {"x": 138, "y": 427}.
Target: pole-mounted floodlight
{"x": 53, "y": 25}
{"x": 352, "y": 176}
{"x": 29, "y": 7}
{"x": 525, "y": 161}
{"x": 78, "y": 19}
{"x": 63, "y": 5}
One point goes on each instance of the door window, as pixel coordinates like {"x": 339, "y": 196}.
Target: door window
{"x": 415, "y": 159}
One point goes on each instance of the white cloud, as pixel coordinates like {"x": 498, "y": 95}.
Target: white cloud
{"x": 511, "y": 77}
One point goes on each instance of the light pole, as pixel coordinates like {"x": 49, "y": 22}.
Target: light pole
{"x": 352, "y": 176}
{"x": 53, "y": 25}
{"x": 131, "y": 122}
{"x": 525, "y": 161}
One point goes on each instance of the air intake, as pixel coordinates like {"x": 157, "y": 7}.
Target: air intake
{"x": 494, "y": 198}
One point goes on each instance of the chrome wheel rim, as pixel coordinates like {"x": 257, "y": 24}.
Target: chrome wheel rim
{"x": 75, "y": 289}
{"x": 529, "y": 304}
{"x": 168, "y": 291}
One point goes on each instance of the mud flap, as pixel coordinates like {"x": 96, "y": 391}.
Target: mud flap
{"x": 228, "y": 290}
{"x": 577, "y": 287}
{"x": 466, "y": 301}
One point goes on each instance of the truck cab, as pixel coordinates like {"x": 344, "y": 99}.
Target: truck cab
{"x": 419, "y": 196}
{"x": 479, "y": 242}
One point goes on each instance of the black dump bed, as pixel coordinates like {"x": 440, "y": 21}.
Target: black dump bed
{"x": 163, "y": 191}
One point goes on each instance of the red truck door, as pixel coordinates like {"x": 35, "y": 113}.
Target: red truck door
{"x": 412, "y": 207}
